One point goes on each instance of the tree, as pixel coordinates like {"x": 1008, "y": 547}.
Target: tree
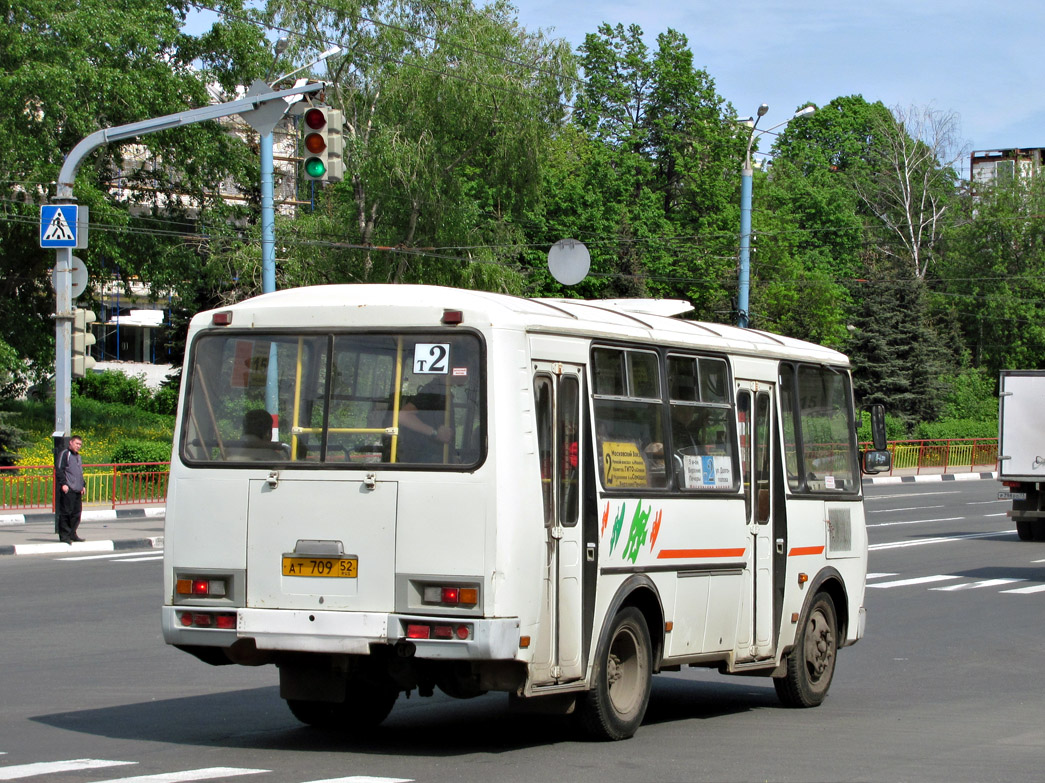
{"x": 67, "y": 70}
{"x": 912, "y": 182}
{"x": 992, "y": 274}
{"x": 449, "y": 114}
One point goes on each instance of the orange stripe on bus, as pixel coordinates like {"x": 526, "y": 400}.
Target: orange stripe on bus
{"x": 806, "y": 550}
{"x": 670, "y": 554}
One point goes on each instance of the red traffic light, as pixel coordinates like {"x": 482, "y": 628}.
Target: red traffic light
{"x": 315, "y": 118}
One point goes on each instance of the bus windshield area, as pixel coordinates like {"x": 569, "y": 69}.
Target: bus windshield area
{"x": 325, "y": 399}
{"x": 819, "y": 433}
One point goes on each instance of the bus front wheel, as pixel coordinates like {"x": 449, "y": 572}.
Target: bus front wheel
{"x": 811, "y": 662}
{"x": 366, "y": 705}
{"x": 615, "y": 706}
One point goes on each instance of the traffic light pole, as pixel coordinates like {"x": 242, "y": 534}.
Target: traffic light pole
{"x": 259, "y": 110}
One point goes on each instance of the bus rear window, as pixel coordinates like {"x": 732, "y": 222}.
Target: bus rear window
{"x": 335, "y": 399}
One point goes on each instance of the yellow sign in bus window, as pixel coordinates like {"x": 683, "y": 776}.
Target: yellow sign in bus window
{"x": 622, "y": 464}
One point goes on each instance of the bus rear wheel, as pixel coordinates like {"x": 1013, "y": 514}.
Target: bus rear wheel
{"x": 616, "y": 705}
{"x": 811, "y": 662}
{"x": 366, "y": 705}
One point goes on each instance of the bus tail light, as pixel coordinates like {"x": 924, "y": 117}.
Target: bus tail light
{"x": 225, "y": 621}
{"x": 461, "y": 631}
{"x": 201, "y": 588}
{"x": 451, "y": 595}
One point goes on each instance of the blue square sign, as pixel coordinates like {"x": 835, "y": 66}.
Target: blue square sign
{"x": 58, "y": 225}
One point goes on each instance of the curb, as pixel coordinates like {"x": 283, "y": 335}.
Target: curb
{"x": 106, "y": 515}
{"x": 931, "y": 477}
{"x": 152, "y": 542}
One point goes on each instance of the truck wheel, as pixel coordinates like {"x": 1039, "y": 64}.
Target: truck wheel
{"x": 1039, "y": 529}
{"x": 366, "y": 705}
{"x": 1025, "y": 529}
{"x": 614, "y": 708}
{"x": 811, "y": 662}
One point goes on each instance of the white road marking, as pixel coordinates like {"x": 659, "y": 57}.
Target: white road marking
{"x": 38, "y": 768}
{"x": 104, "y": 557}
{"x": 917, "y": 522}
{"x": 362, "y": 779}
{"x": 208, "y": 773}
{"x": 976, "y": 585}
{"x": 1027, "y": 590}
{"x": 943, "y": 540}
{"x": 908, "y": 495}
{"x": 879, "y": 576}
{"x": 145, "y": 559}
{"x": 920, "y": 580}
{"x": 984, "y": 502}
{"x": 894, "y": 510}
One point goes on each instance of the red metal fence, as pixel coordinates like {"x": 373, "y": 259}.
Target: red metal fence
{"x": 144, "y": 483}
{"x": 108, "y": 484}
{"x": 956, "y": 455}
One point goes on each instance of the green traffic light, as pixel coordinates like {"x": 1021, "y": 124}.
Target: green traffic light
{"x": 314, "y": 167}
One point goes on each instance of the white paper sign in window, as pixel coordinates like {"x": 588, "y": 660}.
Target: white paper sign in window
{"x": 431, "y": 358}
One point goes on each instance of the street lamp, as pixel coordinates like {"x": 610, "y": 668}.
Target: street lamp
{"x": 745, "y": 211}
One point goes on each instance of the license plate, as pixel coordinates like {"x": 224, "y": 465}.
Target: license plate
{"x": 1012, "y": 496}
{"x": 346, "y": 567}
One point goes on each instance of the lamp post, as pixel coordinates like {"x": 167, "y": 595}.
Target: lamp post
{"x": 746, "y": 175}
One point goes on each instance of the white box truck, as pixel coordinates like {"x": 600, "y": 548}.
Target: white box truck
{"x": 1021, "y": 448}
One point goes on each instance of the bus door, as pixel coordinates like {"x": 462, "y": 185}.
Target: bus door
{"x": 557, "y": 393}
{"x": 755, "y": 412}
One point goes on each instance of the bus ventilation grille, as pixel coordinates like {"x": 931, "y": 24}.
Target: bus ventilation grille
{"x": 840, "y": 531}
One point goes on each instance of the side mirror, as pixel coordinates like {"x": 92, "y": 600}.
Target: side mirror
{"x": 877, "y": 461}
{"x": 878, "y": 427}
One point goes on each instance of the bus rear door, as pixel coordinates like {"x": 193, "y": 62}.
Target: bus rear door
{"x": 755, "y": 411}
{"x": 557, "y": 393}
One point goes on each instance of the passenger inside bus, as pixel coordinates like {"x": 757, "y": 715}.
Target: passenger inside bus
{"x": 257, "y": 443}
{"x": 427, "y": 420}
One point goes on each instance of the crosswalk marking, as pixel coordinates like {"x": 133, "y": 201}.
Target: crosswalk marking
{"x": 976, "y": 585}
{"x": 363, "y": 779}
{"x": 921, "y": 580}
{"x": 879, "y": 576}
{"x": 208, "y": 773}
{"x": 1027, "y": 590}
{"x": 941, "y": 540}
{"x": 109, "y": 556}
{"x": 20, "y": 771}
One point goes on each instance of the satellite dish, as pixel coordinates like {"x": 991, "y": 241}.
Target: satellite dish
{"x": 569, "y": 261}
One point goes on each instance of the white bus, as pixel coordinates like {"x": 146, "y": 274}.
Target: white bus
{"x": 383, "y": 489}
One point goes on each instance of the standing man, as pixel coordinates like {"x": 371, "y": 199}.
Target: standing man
{"x": 71, "y": 487}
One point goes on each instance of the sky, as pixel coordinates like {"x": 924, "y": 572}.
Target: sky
{"x": 978, "y": 59}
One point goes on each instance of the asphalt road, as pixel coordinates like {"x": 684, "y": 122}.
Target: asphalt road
{"x": 943, "y": 688}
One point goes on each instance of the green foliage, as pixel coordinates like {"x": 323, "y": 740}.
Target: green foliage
{"x": 12, "y": 439}
{"x": 955, "y": 428}
{"x": 70, "y": 69}
{"x": 113, "y": 386}
{"x": 972, "y": 395}
{"x": 138, "y": 451}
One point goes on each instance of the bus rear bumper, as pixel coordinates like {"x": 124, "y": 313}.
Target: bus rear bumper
{"x": 354, "y": 633}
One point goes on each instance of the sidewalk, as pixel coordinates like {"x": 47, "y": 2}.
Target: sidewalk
{"x": 912, "y": 475}
{"x": 106, "y": 530}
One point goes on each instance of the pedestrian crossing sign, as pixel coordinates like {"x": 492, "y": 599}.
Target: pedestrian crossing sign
{"x": 59, "y": 226}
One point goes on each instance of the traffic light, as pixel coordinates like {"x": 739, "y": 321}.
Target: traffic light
{"x": 83, "y": 339}
{"x": 323, "y": 144}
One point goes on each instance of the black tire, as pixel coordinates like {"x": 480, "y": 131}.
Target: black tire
{"x": 1025, "y": 529}
{"x": 615, "y": 706}
{"x": 811, "y": 662}
{"x": 366, "y": 705}
{"x": 1039, "y": 529}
